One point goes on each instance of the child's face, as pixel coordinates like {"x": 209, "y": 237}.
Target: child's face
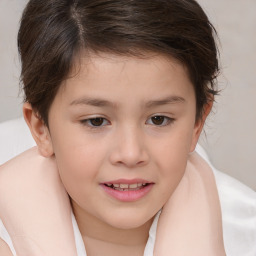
{"x": 102, "y": 129}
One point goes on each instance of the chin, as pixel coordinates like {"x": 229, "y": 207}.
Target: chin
{"x": 128, "y": 225}
{"x": 131, "y": 221}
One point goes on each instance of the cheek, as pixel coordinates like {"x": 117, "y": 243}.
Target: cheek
{"x": 172, "y": 172}
{"x": 172, "y": 155}
{"x": 173, "y": 149}
{"x": 79, "y": 161}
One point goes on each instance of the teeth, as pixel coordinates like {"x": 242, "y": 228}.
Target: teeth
{"x": 133, "y": 186}
{"x": 126, "y": 187}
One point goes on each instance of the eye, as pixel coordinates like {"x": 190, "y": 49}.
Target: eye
{"x": 95, "y": 122}
{"x": 160, "y": 120}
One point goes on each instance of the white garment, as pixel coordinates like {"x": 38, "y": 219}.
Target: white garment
{"x": 238, "y": 207}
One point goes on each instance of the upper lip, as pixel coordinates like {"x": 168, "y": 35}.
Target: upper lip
{"x": 127, "y": 181}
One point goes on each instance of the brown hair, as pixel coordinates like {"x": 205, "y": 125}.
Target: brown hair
{"x": 53, "y": 32}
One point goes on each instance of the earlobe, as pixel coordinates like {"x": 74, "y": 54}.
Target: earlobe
{"x": 39, "y": 130}
{"x": 200, "y": 124}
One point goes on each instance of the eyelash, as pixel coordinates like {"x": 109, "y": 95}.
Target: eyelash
{"x": 87, "y": 122}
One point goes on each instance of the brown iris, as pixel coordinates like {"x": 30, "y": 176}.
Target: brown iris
{"x": 157, "y": 120}
{"x": 97, "y": 121}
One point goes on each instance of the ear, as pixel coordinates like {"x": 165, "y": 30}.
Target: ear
{"x": 39, "y": 130}
{"x": 199, "y": 124}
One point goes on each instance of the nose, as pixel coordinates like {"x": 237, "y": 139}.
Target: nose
{"x": 129, "y": 148}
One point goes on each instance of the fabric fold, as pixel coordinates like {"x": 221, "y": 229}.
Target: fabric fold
{"x": 190, "y": 223}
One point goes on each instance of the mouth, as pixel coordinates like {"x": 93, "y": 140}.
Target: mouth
{"x": 127, "y": 190}
{"x": 126, "y": 187}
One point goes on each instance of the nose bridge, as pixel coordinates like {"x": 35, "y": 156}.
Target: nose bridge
{"x": 129, "y": 147}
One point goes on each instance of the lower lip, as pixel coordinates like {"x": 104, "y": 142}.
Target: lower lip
{"x": 127, "y": 196}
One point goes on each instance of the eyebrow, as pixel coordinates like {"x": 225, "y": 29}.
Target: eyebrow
{"x": 93, "y": 102}
{"x": 97, "y": 102}
{"x": 164, "y": 101}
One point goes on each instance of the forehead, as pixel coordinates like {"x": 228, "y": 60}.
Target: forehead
{"x": 115, "y": 75}
{"x": 92, "y": 61}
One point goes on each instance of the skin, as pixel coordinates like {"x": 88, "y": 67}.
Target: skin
{"x": 128, "y": 143}
{"x": 4, "y": 249}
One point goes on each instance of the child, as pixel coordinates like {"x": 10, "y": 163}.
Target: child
{"x": 116, "y": 96}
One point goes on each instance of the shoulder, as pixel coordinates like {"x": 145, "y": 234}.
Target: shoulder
{"x": 4, "y": 248}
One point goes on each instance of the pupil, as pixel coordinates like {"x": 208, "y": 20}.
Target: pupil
{"x": 97, "y": 121}
{"x": 158, "y": 120}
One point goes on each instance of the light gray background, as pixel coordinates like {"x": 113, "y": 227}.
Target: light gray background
{"x": 230, "y": 138}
